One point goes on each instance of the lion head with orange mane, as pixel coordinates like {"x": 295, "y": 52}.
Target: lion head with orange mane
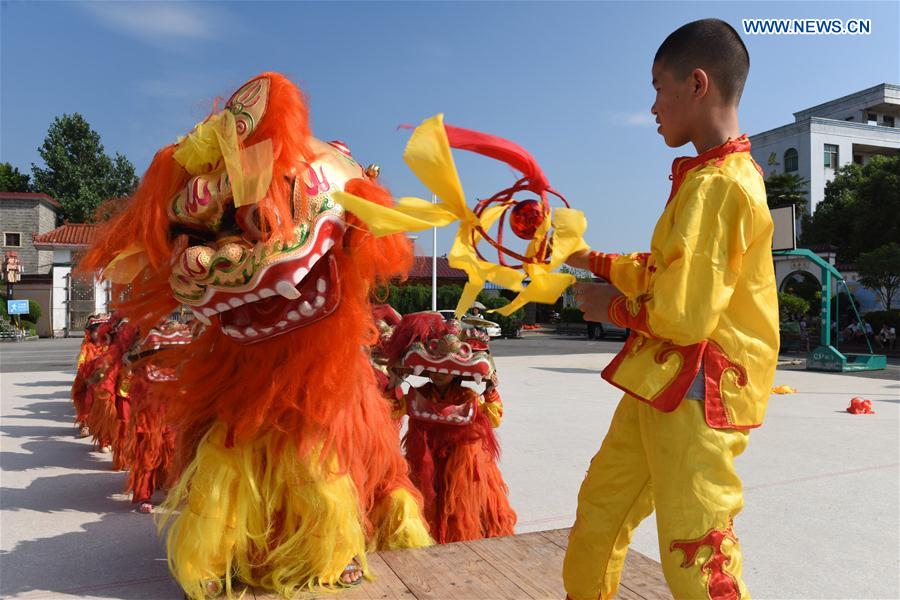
{"x": 277, "y": 409}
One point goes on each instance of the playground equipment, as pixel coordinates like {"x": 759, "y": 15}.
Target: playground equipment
{"x": 827, "y": 357}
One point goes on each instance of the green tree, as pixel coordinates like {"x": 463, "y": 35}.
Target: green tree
{"x": 791, "y": 306}
{"x": 77, "y": 172}
{"x": 784, "y": 189}
{"x": 879, "y": 270}
{"x": 11, "y": 180}
{"x": 861, "y": 209}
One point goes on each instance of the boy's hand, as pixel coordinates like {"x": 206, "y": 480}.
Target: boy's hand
{"x": 593, "y": 299}
{"x": 580, "y": 260}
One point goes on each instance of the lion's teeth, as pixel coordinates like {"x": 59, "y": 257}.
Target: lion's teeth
{"x": 306, "y": 309}
{"x": 287, "y": 290}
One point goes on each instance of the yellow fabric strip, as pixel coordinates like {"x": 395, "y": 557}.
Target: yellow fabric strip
{"x": 126, "y": 265}
{"x": 215, "y": 140}
{"x": 429, "y": 155}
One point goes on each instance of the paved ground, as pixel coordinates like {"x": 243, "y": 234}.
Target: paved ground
{"x": 821, "y": 517}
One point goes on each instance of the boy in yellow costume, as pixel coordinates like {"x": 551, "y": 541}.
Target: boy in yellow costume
{"x": 699, "y": 364}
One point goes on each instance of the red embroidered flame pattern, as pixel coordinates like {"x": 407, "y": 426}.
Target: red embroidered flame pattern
{"x": 716, "y": 363}
{"x": 720, "y": 585}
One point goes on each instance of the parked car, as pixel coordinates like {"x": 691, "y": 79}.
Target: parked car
{"x": 597, "y": 330}
{"x": 600, "y": 331}
{"x": 492, "y": 329}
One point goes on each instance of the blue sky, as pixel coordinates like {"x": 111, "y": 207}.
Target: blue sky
{"x": 570, "y": 81}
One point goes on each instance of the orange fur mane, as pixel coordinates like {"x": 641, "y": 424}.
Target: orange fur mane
{"x": 313, "y": 384}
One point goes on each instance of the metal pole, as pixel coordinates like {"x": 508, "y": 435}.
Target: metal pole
{"x": 434, "y": 261}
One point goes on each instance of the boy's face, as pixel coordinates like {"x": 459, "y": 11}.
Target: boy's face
{"x": 673, "y": 107}
{"x": 441, "y": 379}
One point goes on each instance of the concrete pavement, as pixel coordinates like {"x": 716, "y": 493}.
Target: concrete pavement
{"x": 821, "y": 517}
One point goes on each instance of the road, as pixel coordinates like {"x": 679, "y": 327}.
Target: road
{"x": 820, "y": 485}
{"x": 60, "y": 354}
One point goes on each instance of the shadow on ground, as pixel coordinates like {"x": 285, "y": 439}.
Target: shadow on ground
{"x": 52, "y": 453}
{"x": 62, "y": 411}
{"x": 84, "y": 564}
{"x": 66, "y": 384}
{"x": 568, "y": 370}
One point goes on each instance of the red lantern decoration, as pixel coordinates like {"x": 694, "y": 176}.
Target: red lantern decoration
{"x": 525, "y": 218}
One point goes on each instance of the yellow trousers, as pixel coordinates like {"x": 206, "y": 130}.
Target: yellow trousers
{"x": 678, "y": 464}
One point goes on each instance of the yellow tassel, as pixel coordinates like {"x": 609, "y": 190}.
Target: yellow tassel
{"x": 399, "y": 523}
{"x": 270, "y": 518}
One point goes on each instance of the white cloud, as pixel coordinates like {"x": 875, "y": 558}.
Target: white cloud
{"x": 156, "y": 22}
{"x": 637, "y": 119}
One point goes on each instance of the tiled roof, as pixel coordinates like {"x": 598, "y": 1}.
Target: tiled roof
{"x": 421, "y": 269}
{"x": 68, "y": 235}
{"x": 30, "y": 196}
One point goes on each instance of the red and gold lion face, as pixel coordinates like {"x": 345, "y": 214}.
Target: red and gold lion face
{"x": 444, "y": 347}
{"x": 258, "y": 285}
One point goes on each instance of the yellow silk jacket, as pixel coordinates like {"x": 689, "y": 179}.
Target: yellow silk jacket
{"x": 705, "y": 294}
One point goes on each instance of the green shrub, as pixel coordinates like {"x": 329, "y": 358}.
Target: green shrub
{"x": 508, "y": 325}
{"x": 791, "y": 306}
{"x": 34, "y": 312}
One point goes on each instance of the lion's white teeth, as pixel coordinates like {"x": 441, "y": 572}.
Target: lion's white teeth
{"x": 306, "y": 309}
{"x": 287, "y": 290}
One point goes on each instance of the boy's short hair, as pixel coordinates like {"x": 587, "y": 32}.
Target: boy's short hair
{"x": 712, "y": 45}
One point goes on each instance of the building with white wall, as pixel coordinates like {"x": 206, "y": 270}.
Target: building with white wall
{"x": 73, "y": 297}
{"x": 850, "y": 129}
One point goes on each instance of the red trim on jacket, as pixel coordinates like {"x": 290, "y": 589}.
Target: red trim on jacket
{"x": 715, "y": 364}
{"x": 683, "y": 164}
{"x": 600, "y": 263}
{"x": 670, "y": 397}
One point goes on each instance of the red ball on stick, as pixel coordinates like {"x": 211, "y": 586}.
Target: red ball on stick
{"x": 525, "y": 218}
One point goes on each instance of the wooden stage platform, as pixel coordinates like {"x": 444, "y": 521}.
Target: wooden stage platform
{"x": 520, "y": 567}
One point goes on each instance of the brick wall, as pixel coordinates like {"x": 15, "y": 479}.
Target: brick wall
{"x": 26, "y": 216}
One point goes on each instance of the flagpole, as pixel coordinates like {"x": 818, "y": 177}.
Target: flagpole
{"x": 434, "y": 261}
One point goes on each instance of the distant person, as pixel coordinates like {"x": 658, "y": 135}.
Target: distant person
{"x": 851, "y": 332}
{"x": 887, "y": 336}
{"x": 699, "y": 365}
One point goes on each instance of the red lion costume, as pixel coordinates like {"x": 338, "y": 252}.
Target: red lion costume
{"x": 92, "y": 346}
{"x": 102, "y": 376}
{"x": 450, "y": 443}
{"x": 150, "y": 446}
{"x": 290, "y": 467}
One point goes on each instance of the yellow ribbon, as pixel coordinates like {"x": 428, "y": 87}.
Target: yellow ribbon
{"x": 126, "y": 265}
{"x": 429, "y": 155}
{"x": 216, "y": 141}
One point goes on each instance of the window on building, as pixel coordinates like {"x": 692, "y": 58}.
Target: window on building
{"x": 791, "y": 160}
{"x": 857, "y": 159}
{"x": 887, "y": 120}
{"x": 831, "y": 156}
{"x": 872, "y": 119}
{"x": 12, "y": 239}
